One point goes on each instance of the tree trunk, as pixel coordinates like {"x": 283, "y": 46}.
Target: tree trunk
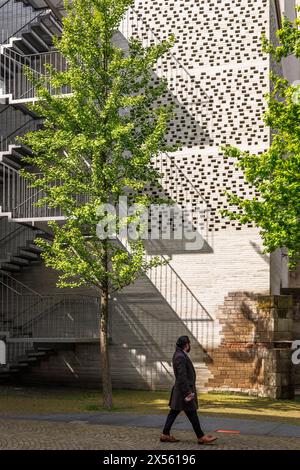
{"x": 106, "y": 376}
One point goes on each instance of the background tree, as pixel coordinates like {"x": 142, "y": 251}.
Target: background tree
{"x": 275, "y": 174}
{"x": 98, "y": 142}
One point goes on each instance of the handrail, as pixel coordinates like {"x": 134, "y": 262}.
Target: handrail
{"x": 13, "y": 170}
{"x": 30, "y": 307}
{"x": 11, "y": 233}
{"x": 9, "y": 287}
{"x": 13, "y": 59}
{"x": 22, "y": 285}
{"x": 19, "y": 128}
{"x": 24, "y": 315}
{"x": 57, "y": 300}
{"x": 41, "y": 13}
{"x": 19, "y": 86}
{"x": 20, "y": 56}
{"x": 4, "y": 109}
{"x": 28, "y": 199}
{"x": 5, "y": 3}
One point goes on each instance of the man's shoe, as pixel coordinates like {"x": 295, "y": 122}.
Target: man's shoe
{"x": 207, "y": 439}
{"x": 167, "y": 438}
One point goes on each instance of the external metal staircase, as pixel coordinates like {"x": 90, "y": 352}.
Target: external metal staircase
{"x": 17, "y": 247}
{"x": 28, "y": 30}
{"x": 16, "y": 88}
{"x": 12, "y": 150}
{"x": 34, "y": 325}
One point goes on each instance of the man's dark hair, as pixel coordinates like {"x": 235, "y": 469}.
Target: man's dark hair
{"x": 182, "y": 341}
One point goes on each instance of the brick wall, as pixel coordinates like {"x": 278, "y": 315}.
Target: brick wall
{"x": 255, "y": 352}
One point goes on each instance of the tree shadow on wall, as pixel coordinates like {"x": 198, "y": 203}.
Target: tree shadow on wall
{"x": 244, "y": 331}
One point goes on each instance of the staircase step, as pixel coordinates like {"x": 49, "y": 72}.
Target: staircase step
{"x": 4, "y": 375}
{"x": 28, "y": 360}
{"x": 15, "y": 366}
{"x": 11, "y": 161}
{"x": 10, "y": 267}
{"x": 44, "y": 33}
{"x": 52, "y": 24}
{"x": 21, "y": 151}
{"x": 37, "y": 354}
{"x": 34, "y": 248}
{"x": 20, "y": 261}
{"x": 25, "y": 253}
{"x": 37, "y": 42}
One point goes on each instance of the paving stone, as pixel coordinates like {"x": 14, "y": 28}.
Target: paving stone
{"x": 44, "y": 435}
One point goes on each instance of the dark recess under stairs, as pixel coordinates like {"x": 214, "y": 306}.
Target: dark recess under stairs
{"x": 23, "y": 363}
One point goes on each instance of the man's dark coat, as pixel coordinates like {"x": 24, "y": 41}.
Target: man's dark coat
{"x": 185, "y": 382}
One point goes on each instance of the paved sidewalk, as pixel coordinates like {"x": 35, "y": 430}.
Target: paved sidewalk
{"x": 209, "y": 424}
{"x": 45, "y": 435}
{"x": 120, "y": 431}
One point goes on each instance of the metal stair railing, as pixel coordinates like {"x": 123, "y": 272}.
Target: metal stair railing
{"x": 26, "y": 313}
{"x": 17, "y": 286}
{"x": 12, "y": 138}
{"x": 16, "y": 17}
{"x": 12, "y": 295}
{"x": 19, "y": 199}
{"x": 17, "y": 33}
{"x": 12, "y": 238}
{"x": 15, "y": 82}
{"x": 62, "y": 316}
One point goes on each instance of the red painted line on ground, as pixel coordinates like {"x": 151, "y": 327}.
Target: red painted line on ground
{"x": 228, "y": 431}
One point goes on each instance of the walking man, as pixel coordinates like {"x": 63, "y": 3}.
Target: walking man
{"x": 184, "y": 394}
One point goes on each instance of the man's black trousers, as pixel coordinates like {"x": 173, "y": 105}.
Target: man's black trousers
{"x": 192, "y": 416}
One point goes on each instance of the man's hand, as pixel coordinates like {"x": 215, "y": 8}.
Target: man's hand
{"x": 189, "y": 397}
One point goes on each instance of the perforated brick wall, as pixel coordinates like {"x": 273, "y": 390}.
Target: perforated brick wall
{"x": 219, "y": 44}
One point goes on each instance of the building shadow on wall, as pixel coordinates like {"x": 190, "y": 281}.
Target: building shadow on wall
{"x": 144, "y": 331}
{"x": 191, "y": 122}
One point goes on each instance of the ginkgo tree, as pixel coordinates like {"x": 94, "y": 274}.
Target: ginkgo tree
{"x": 275, "y": 173}
{"x": 97, "y": 145}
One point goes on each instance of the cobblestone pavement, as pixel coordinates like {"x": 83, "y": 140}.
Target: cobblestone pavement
{"x": 42, "y": 435}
